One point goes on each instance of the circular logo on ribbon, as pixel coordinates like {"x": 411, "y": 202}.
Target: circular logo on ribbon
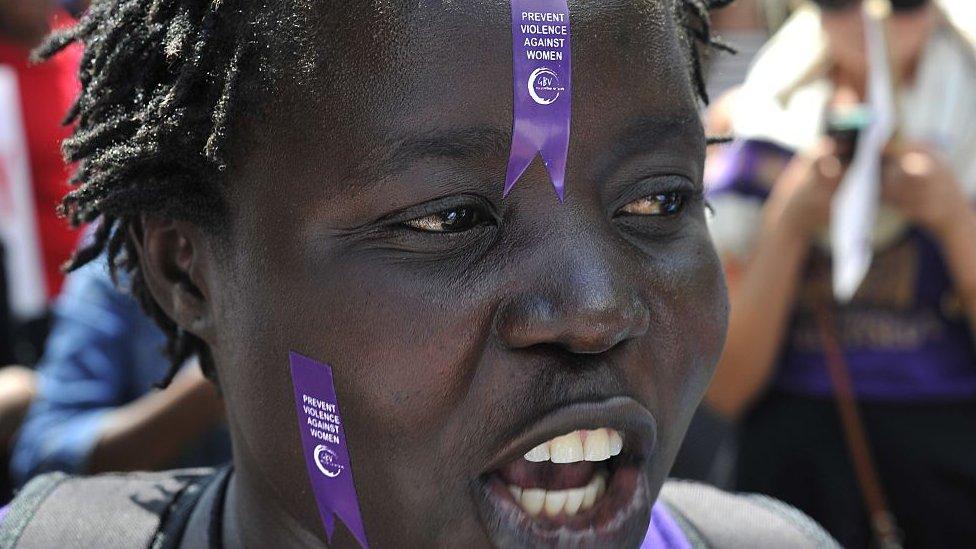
{"x": 544, "y": 86}
{"x": 325, "y": 460}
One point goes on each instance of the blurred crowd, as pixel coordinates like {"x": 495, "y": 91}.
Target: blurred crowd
{"x": 858, "y": 411}
{"x": 80, "y": 393}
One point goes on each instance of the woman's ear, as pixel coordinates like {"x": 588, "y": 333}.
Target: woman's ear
{"x": 174, "y": 261}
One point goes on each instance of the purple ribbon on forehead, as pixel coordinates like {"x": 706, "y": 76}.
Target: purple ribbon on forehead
{"x": 324, "y": 443}
{"x": 543, "y": 89}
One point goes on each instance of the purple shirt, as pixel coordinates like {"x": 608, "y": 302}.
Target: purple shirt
{"x": 664, "y": 532}
{"x": 905, "y": 335}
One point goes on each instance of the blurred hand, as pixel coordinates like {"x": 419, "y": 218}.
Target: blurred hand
{"x": 160, "y": 423}
{"x": 18, "y": 386}
{"x": 801, "y": 198}
{"x": 919, "y": 182}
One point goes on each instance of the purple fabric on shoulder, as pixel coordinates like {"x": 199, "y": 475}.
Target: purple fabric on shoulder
{"x": 747, "y": 168}
{"x": 664, "y": 532}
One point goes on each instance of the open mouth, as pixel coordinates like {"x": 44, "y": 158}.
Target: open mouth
{"x": 585, "y": 487}
{"x": 564, "y": 476}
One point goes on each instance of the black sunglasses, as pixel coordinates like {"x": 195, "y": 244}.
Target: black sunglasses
{"x": 896, "y": 5}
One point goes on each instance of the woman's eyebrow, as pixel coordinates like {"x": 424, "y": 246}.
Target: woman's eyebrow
{"x": 658, "y": 133}
{"x": 481, "y": 141}
{"x": 649, "y": 132}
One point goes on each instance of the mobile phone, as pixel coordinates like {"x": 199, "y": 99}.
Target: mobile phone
{"x": 844, "y": 126}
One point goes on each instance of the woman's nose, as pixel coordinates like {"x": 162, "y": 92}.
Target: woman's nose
{"x": 584, "y": 307}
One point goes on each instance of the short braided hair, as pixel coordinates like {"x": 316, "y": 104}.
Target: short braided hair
{"x": 161, "y": 83}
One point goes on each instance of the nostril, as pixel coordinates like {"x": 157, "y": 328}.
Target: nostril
{"x": 594, "y": 339}
{"x": 590, "y": 328}
{"x": 525, "y": 321}
{"x": 594, "y": 335}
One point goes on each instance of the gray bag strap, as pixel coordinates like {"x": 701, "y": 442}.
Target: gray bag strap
{"x": 714, "y": 519}
{"x": 21, "y": 510}
{"x": 106, "y": 511}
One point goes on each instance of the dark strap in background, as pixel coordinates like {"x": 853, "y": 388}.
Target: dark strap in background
{"x": 883, "y": 524}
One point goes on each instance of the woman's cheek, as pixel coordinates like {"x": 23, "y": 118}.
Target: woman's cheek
{"x": 699, "y": 304}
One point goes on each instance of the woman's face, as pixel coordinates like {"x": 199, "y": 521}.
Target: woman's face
{"x": 844, "y": 28}
{"x": 465, "y": 329}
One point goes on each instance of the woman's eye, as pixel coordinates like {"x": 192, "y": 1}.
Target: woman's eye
{"x": 453, "y": 220}
{"x": 662, "y": 204}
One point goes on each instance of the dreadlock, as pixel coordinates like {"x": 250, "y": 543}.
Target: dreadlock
{"x": 698, "y": 27}
{"x": 161, "y": 81}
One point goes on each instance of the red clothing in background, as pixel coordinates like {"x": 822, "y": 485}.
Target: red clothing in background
{"x": 47, "y": 90}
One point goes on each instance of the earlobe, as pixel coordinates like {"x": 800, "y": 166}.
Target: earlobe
{"x": 174, "y": 262}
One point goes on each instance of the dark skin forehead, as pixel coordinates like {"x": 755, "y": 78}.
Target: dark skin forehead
{"x": 434, "y": 81}
{"x": 445, "y": 348}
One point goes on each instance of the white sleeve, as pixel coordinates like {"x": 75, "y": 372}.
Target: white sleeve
{"x": 734, "y": 224}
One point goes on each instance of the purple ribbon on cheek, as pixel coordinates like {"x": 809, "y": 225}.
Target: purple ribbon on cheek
{"x": 543, "y": 89}
{"x": 324, "y": 442}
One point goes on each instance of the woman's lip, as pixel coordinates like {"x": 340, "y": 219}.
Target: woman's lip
{"x": 624, "y": 414}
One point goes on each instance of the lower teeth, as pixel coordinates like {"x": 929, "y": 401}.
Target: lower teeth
{"x": 554, "y": 503}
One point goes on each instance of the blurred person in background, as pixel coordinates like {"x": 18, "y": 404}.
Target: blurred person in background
{"x": 745, "y": 25}
{"x": 708, "y": 451}
{"x": 33, "y": 175}
{"x": 907, "y": 335}
{"x": 97, "y": 408}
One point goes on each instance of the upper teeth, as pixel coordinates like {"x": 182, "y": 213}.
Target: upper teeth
{"x": 596, "y": 445}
